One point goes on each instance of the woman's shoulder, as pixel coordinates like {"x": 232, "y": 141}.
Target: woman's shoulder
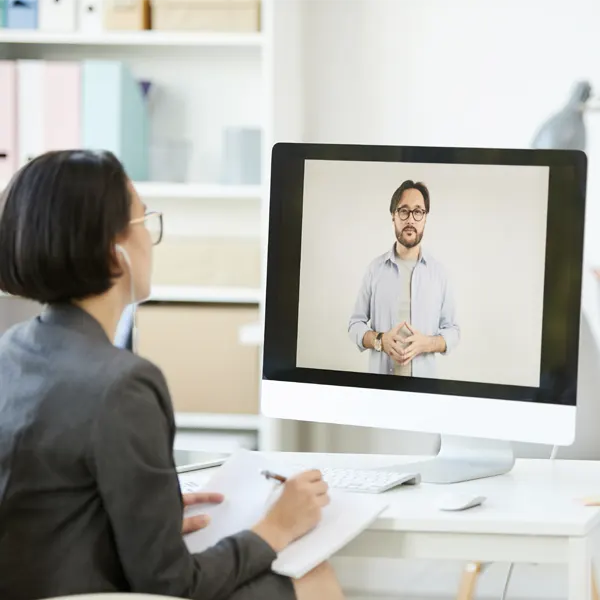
{"x": 134, "y": 383}
{"x": 123, "y": 368}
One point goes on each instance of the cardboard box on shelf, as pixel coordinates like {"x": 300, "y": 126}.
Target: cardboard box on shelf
{"x": 235, "y": 16}
{"x": 197, "y": 349}
{"x": 127, "y": 15}
{"x": 211, "y": 262}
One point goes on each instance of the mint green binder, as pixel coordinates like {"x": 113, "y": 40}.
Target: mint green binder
{"x": 3, "y": 13}
{"x": 115, "y": 115}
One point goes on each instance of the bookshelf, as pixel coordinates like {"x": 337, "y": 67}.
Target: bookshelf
{"x": 150, "y": 190}
{"x": 191, "y": 191}
{"x": 225, "y": 422}
{"x": 207, "y": 82}
{"x": 134, "y": 38}
{"x": 209, "y": 295}
{"x": 252, "y": 334}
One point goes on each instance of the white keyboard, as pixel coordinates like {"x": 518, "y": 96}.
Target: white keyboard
{"x": 373, "y": 481}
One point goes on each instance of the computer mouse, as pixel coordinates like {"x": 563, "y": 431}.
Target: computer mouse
{"x": 459, "y": 501}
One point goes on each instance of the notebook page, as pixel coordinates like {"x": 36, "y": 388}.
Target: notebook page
{"x": 343, "y": 519}
{"x": 246, "y": 493}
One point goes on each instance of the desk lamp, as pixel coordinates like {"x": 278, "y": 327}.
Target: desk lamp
{"x": 566, "y": 129}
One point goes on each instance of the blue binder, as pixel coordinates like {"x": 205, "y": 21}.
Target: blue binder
{"x": 115, "y": 115}
{"x": 21, "y": 14}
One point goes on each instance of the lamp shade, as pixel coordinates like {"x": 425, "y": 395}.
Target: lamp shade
{"x": 566, "y": 129}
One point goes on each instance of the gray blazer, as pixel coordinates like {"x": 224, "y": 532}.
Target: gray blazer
{"x": 89, "y": 496}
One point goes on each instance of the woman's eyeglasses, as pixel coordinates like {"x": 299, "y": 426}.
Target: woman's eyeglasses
{"x": 153, "y": 221}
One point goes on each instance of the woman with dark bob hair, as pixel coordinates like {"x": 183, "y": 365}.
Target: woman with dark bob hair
{"x": 89, "y": 495}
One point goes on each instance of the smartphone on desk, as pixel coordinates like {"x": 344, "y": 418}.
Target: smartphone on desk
{"x": 194, "y": 460}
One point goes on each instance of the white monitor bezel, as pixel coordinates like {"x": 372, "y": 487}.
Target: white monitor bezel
{"x": 426, "y": 413}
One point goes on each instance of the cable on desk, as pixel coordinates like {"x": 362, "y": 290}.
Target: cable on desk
{"x": 507, "y": 581}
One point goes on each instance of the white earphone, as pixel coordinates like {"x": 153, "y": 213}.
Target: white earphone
{"x": 124, "y": 254}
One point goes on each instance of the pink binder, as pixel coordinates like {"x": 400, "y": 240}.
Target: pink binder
{"x": 62, "y": 106}
{"x": 8, "y": 121}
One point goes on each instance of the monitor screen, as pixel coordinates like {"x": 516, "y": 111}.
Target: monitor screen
{"x": 438, "y": 270}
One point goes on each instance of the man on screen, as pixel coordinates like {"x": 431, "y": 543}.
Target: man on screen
{"x": 404, "y": 313}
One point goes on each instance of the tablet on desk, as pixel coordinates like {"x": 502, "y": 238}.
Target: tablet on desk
{"x": 194, "y": 460}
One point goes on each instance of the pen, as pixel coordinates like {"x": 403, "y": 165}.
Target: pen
{"x": 270, "y": 475}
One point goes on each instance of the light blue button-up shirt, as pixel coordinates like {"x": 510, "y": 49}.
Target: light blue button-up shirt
{"x": 432, "y": 309}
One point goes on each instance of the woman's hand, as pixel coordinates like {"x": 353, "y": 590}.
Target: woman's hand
{"x": 196, "y": 522}
{"x": 296, "y": 512}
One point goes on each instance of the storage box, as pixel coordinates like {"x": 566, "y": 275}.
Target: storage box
{"x": 197, "y": 348}
{"x": 91, "y": 16}
{"x": 128, "y": 15}
{"x": 57, "y": 15}
{"x": 209, "y": 262}
{"x": 207, "y": 15}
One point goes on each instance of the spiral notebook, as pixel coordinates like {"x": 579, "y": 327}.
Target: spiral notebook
{"x": 248, "y": 496}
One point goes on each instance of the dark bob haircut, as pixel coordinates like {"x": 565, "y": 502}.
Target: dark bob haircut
{"x": 59, "y": 218}
{"x": 409, "y": 185}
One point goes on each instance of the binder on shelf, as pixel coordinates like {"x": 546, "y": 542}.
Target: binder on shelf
{"x": 30, "y": 108}
{"x": 21, "y": 14}
{"x": 90, "y": 16}
{"x": 8, "y": 120}
{"x": 2, "y": 13}
{"x": 62, "y": 105}
{"x": 57, "y": 15}
{"x": 115, "y": 115}
{"x": 129, "y": 15}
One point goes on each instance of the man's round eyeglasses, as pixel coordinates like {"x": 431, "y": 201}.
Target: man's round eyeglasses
{"x": 417, "y": 213}
{"x": 153, "y": 221}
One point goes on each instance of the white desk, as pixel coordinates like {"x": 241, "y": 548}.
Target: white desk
{"x": 532, "y": 515}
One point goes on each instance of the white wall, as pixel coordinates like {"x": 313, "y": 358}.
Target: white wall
{"x": 487, "y": 227}
{"x": 434, "y": 72}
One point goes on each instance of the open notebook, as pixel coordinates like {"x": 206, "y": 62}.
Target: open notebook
{"x": 248, "y": 495}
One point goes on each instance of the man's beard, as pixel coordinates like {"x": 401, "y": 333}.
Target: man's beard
{"x": 411, "y": 241}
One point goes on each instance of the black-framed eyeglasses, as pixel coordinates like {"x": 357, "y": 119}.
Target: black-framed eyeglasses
{"x": 153, "y": 221}
{"x": 417, "y": 213}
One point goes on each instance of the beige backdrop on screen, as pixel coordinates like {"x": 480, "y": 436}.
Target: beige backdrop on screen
{"x": 487, "y": 226}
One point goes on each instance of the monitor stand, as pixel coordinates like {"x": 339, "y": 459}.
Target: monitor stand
{"x": 464, "y": 459}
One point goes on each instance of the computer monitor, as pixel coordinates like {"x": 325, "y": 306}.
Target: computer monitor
{"x": 477, "y": 253}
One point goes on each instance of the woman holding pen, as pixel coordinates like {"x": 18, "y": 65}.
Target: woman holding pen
{"x": 89, "y": 495}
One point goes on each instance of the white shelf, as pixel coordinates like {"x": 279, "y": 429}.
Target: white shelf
{"x": 194, "y": 191}
{"x": 221, "y": 295}
{"x": 224, "y": 422}
{"x": 251, "y": 334}
{"x": 133, "y": 38}
{"x": 150, "y": 190}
